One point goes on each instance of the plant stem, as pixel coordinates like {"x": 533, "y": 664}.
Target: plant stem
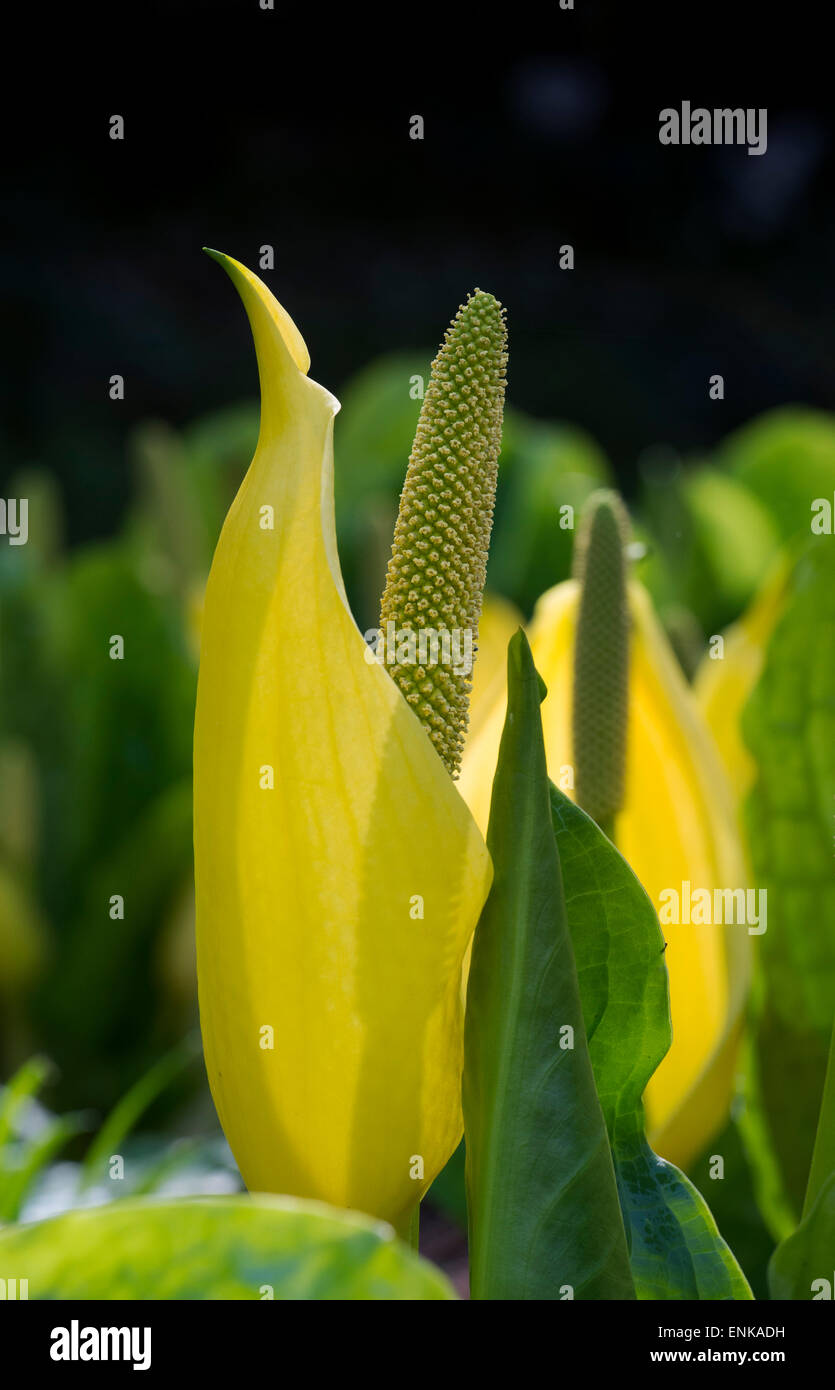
{"x": 414, "y": 1229}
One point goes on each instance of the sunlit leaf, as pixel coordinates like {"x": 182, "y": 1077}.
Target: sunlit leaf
{"x": 217, "y": 1248}
{"x": 543, "y": 1208}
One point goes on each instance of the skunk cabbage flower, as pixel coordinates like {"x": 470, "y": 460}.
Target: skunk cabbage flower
{"x": 675, "y": 825}
{"x": 339, "y": 873}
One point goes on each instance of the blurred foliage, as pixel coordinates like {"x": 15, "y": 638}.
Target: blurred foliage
{"x": 39, "y": 1180}
{"x": 95, "y": 758}
{"x": 785, "y": 459}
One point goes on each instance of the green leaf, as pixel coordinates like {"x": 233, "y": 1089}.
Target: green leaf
{"x": 543, "y": 468}
{"x": 736, "y": 540}
{"x": 808, "y": 1255}
{"x": 787, "y": 459}
{"x": 216, "y": 1248}
{"x": 25, "y": 1084}
{"x": 544, "y": 1217}
{"x": 22, "y": 1160}
{"x": 823, "y": 1156}
{"x": 675, "y": 1249}
{"x": 803, "y": 1265}
{"x": 715, "y": 538}
{"x": 789, "y": 727}
{"x": 15, "y": 1183}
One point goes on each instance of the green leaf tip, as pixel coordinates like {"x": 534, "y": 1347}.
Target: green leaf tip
{"x": 520, "y": 662}
{"x": 543, "y": 1210}
{"x": 601, "y": 657}
{"x": 438, "y": 563}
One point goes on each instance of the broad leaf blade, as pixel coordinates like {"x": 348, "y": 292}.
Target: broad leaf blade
{"x": 545, "y": 1221}
{"x": 789, "y": 727}
{"x": 822, "y": 1166}
{"x": 217, "y": 1248}
{"x": 676, "y": 1251}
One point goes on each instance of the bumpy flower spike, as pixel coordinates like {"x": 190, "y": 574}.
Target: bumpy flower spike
{"x": 439, "y": 557}
{"x": 601, "y": 658}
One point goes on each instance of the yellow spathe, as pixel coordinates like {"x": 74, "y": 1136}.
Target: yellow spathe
{"x": 339, "y": 873}
{"x": 677, "y": 825}
{"x": 722, "y": 686}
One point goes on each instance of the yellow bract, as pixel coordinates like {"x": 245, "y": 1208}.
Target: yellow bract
{"x": 499, "y": 620}
{"x": 339, "y": 873}
{"x": 677, "y": 826}
{"x": 722, "y": 686}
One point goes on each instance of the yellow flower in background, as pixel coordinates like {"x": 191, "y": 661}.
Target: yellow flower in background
{"x": 676, "y": 825}
{"x": 500, "y": 619}
{"x": 722, "y": 687}
{"x": 339, "y": 873}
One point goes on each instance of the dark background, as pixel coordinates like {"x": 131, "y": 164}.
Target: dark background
{"x": 246, "y": 127}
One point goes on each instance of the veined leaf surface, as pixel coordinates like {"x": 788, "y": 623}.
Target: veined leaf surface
{"x": 544, "y": 1217}
{"x": 675, "y": 1248}
{"x": 789, "y": 727}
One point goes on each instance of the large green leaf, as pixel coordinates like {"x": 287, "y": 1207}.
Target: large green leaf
{"x": 545, "y": 1222}
{"x": 675, "y": 1249}
{"x": 789, "y": 726}
{"x": 216, "y": 1248}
